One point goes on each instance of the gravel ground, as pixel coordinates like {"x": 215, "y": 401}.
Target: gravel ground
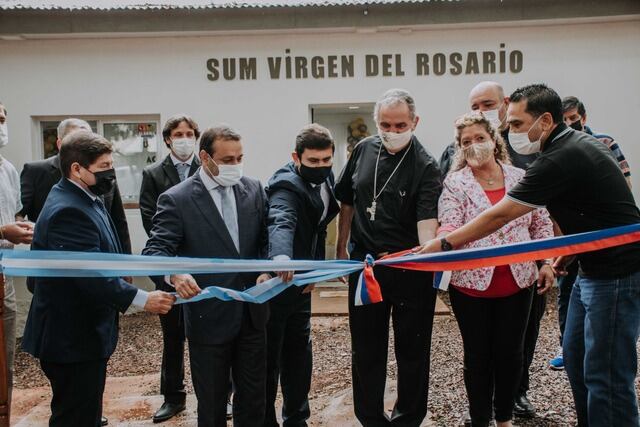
{"x": 139, "y": 352}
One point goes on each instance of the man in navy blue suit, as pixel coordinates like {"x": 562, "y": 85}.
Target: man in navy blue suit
{"x": 301, "y": 205}
{"x": 73, "y": 322}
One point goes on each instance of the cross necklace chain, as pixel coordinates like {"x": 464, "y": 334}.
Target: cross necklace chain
{"x": 371, "y": 210}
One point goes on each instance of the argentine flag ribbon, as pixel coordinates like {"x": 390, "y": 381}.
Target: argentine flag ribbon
{"x": 93, "y": 264}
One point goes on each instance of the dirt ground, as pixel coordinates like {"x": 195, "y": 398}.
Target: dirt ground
{"x": 139, "y": 354}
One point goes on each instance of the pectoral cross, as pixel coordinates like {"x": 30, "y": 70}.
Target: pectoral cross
{"x": 372, "y": 211}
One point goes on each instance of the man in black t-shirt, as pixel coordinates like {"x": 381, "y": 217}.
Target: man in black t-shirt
{"x": 583, "y": 188}
{"x": 389, "y": 191}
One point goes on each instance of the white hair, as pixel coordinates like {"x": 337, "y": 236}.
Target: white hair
{"x": 68, "y": 125}
{"x": 395, "y": 97}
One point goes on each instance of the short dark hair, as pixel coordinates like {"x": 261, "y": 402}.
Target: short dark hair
{"x": 314, "y": 137}
{"x": 540, "y": 99}
{"x": 174, "y": 121}
{"x": 212, "y": 134}
{"x": 83, "y": 147}
{"x": 571, "y": 102}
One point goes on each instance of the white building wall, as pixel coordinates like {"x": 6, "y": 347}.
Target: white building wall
{"x": 599, "y": 63}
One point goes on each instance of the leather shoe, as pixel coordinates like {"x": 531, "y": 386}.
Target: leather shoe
{"x": 523, "y": 408}
{"x": 229, "y": 410}
{"x": 167, "y": 410}
{"x": 104, "y": 421}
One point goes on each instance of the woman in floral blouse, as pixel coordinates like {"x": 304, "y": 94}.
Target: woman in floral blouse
{"x": 491, "y": 304}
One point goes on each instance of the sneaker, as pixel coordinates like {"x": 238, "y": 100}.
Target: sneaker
{"x": 557, "y": 363}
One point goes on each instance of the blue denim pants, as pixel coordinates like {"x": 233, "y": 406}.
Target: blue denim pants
{"x": 603, "y": 323}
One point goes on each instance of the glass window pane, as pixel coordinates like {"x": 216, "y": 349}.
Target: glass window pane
{"x": 49, "y": 131}
{"x": 134, "y": 147}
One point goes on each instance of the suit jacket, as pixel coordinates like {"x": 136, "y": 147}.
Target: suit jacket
{"x": 38, "y": 178}
{"x": 295, "y": 209}
{"x": 74, "y": 319}
{"x": 156, "y": 179}
{"x": 188, "y": 224}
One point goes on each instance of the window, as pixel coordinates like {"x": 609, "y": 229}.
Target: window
{"x": 135, "y": 143}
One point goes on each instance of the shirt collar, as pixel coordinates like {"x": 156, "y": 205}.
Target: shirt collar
{"x": 87, "y": 192}
{"x": 560, "y": 129}
{"x": 208, "y": 182}
{"x": 177, "y": 161}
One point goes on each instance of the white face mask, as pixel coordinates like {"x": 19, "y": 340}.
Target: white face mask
{"x": 228, "y": 175}
{"x": 479, "y": 153}
{"x": 4, "y": 135}
{"x": 395, "y": 142}
{"x": 521, "y": 143}
{"x": 183, "y": 147}
{"x": 494, "y": 117}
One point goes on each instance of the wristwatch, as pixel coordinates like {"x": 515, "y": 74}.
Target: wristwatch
{"x": 445, "y": 245}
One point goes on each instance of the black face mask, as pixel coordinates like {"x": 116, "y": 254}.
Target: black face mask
{"x": 105, "y": 181}
{"x": 314, "y": 175}
{"x": 577, "y": 125}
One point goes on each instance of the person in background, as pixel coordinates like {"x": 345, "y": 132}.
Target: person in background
{"x": 575, "y": 116}
{"x": 180, "y": 133}
{"x": 11, "y": 233}
{"x": 491, "y": 304}
{"x": 301, "y": 205}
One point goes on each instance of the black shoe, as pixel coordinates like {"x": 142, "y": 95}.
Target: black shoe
{"x": 167, "y": 411}
{"x": 229, "y": 410}
{"x": 523, "y": 408}
{"x": 467, "y": 419}
{"x": 104, "y": 421}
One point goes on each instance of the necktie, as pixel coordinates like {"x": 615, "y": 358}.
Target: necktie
{"x": 183, "y": 170}
{"x": 229, "y": 214}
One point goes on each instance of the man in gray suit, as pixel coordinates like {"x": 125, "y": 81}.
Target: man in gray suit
{"x": 218, "y": 213}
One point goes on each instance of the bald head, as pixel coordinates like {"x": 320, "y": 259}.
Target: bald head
{"x": 487, "y": 96}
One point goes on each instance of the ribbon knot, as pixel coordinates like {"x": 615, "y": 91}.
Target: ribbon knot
{"x": 368, "y": 289}
{"x": 369, "y": 261}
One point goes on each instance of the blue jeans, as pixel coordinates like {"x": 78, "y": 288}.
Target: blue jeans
{"x": 599, "y": 347}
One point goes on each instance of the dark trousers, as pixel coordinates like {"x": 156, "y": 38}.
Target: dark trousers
{"x": 245, "y": 358}
{"x": 409, "y": 299}
{"x": 565, "y": 286}
{"x": 289, "y": 358}
{"x": 77, "y": 392}
{"x": 493, "y": 332}
{"x": 538, "y": 306}
{"x": 172, "y": 373}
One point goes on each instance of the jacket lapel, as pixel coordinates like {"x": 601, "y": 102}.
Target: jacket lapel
{"x": 171, "y": 171}
{"x": 209, "y": 211}
{"x": 195, "y": 164}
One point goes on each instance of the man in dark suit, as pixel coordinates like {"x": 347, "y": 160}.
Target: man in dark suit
{"x": 38, "y": 178}
{"x": 301, "y": 205}
{"x": 218, "y": 213}
{"x": 180, "y": 133}
{"x": 73, "y": 322}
